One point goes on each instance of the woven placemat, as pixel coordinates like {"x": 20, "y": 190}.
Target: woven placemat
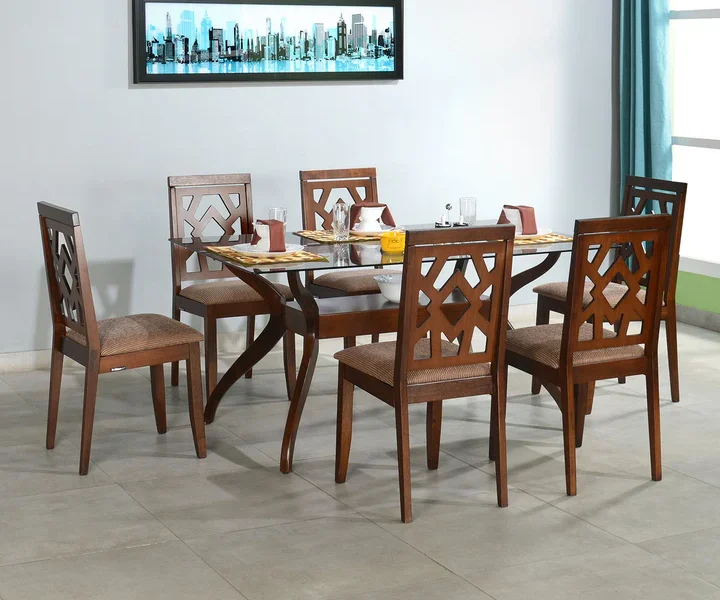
{"x": 252, "y": 260}
{"x": 328, "y": 237}
{"x": 548, "y": 238}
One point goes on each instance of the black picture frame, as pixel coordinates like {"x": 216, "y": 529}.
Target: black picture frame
{"x": 141, "y": 76}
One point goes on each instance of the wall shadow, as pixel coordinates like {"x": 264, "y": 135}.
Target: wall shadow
{"x": 112, "y": 293}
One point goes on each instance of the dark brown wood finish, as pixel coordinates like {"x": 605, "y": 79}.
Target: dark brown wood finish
{"x": 480, "y": 310}
{"x": 233, "y": 213}
{"x": 72, "y": 308}
{"x": 327, "y": 318}
{"x": 316, "y": 190}
{"x": 642, "y": 195}
{"x": 571, "y": 384}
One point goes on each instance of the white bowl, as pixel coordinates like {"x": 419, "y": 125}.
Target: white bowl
{"x": 390, "y": 286}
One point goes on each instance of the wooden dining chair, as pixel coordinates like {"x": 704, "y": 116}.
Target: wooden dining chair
{"x": 225, "y": 203}
{"x": 434, "y": 358}
{"x": 642, "y": 195}
{"x": 567, "y": 358}
{"x": 109, "y": 345}
{"x": 320, "y": 190}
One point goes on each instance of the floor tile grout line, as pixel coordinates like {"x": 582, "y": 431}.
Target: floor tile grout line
{"x": 209, "y": 566}
{"x": 90, "y": 553}
{"x": 680, "y": 567}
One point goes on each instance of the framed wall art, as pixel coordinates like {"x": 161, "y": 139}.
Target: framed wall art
{"x": 266, "y": 40}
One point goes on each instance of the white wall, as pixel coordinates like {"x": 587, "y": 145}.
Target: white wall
{"x": 506, "y": 100}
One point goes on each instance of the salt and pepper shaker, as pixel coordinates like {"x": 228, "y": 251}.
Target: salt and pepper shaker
{"x": 445, "y": 220}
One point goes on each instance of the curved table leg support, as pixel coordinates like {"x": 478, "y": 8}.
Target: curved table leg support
{"x": 265, "y": 342}
{"x": 520, "y": 280}
{"x": 260, "y": 348}
{"x": 297, "y": 404}
{"x": 307, "y": 368}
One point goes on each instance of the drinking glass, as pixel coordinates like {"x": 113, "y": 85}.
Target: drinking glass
{"x": 278, "y": 214}
{"x": 341, "y": 221}
{"x": 468, "y": 210}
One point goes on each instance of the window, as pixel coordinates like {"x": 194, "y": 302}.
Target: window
{"x": 695, "y": 69}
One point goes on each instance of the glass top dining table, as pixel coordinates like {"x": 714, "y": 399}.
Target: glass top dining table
{"x": 328, "y": 317}
{"x": 341, "y": 255}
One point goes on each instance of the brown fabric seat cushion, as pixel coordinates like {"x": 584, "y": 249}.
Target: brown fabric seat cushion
{"x": 138, "y": 333}
{"x": 231, "y": 291}
{"x": 542, "y": 344}
{"x": 614, "y": 292}
{"x": 353, "y": 282}
{"x": 378, "y": 360}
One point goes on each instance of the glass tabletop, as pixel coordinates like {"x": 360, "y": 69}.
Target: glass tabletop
{"x": 339, "y": 255}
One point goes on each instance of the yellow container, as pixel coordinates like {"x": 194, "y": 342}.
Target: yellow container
{"x": 393, "y": 242}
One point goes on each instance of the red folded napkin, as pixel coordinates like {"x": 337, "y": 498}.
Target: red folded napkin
{"x": 277, "y": 235}
{"x": 387, "y": 217}
{"x": 526, "y": 214}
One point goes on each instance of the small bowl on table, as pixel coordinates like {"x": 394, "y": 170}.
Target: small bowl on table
{"x": 390, "y": 286}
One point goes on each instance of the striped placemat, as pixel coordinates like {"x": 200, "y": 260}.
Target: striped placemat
{"x": 328, "y": 237}
{"x": 252, "y": 260}
{"x": 547, "y": 238}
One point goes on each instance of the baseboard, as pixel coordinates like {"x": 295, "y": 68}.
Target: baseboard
{"x": 698, "y": 318}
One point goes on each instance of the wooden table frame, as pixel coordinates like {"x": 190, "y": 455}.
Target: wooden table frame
{"x": 315, "y": 319}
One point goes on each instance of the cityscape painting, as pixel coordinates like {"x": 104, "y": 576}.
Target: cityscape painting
{"x": 260, "y": 41}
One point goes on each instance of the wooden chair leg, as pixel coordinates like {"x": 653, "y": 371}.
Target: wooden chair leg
{"x": 492, "y": 443}
{"x": 344, "y": 426}
{"x": 581, "y": 403}
{"x": 621, "y": 380}
{"x": 542, "y": 317}
{"x": 195, "y": 400}
{"x": 175, "y": 367}
{"x": 590, "y": 398}
{"x": 375, "y": 338}
{"x": 433, "y": 428}
{"x": 349, "y": 342}
{"x": 56, "y": 367}
{"x": 157, "y": 382}
{"x": 499, "y": 403}
{"x": 92, "y": 373}
{"x": 672, "y": 348}
{"x": 249, "y": 339}
{"x": 652, "y": 383}
{"x": 402, "y": 426}
{"x": 211, "y": 368}
{"x": 289, "y": 362}
{"x": 568, "y": 414}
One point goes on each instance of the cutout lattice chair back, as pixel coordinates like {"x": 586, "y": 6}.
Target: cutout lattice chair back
{"x": 646, "y": 243}
{"x": 644, "y": 196}
{"x": 320, "y": 190}
{"x": 66, "y": 267}
{"x": 213, "y": 205}
{"x": 484, "y": 304}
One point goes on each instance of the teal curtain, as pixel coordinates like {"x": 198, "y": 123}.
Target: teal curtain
{"x": 645, "y": 121}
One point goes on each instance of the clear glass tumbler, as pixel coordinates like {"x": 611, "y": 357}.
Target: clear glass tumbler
{"x": 278, "y": 214}
{"x": 341, "y": 221}
{"x": 468, "y": 210}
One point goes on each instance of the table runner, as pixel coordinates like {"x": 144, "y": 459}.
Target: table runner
{"x": 251, "y": 260}
{"x": 328, "y": 237}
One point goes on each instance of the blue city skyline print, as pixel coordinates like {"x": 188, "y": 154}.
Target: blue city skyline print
{"x": 187, "y": 38}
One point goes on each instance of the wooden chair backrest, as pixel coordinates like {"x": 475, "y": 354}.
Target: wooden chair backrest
{"x": 233, "y": 196}
{"x": 318, "y": 200}
{"x": 648, "y": 238}
{"x": 487, "y": 300}
{"x": 642, "y": 195}
{"x": 68, "y": 279}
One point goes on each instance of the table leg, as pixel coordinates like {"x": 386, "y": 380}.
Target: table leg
{"x": 305, "y": 374}
{"x": 520, "y": 280}
{"x": 260, "y": 348}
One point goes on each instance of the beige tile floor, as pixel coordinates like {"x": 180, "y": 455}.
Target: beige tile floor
{"x": 152, "y": 521}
